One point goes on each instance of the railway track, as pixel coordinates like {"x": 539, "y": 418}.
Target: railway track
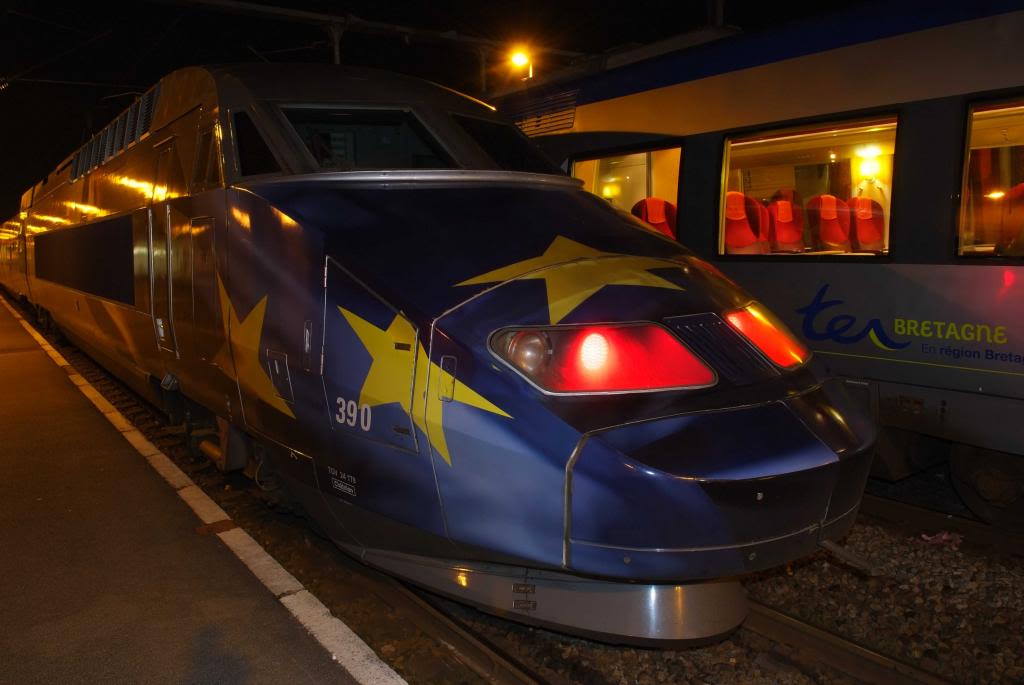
{"x": 855, "y": 660}
{"x": 495, "y": 665}
{"x": 481, "y": 656}
{"x": 917, "y": 518}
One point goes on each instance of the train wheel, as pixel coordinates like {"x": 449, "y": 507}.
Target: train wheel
{"x": 990, "y": 483}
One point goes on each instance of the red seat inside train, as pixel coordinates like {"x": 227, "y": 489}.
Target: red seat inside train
{"x": 786, "y": 233}
{"x": 829, "y": 220}
{"x": 746, "y": 224}
{"x": 660, "y": 214}
{"x": 868, "y": 218}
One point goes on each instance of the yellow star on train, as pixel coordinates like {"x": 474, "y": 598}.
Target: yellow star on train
{"x": 244, "y": 351}
{"x": 581, "y": 272}
{"x": 387, "y": 381}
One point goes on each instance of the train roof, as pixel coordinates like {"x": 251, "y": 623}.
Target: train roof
{"x": 801, "y": 37}
{"x": 329, "y": 83}
{"x": 236, "y": 86}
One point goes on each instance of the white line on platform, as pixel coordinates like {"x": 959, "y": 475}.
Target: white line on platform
{"x": 205, "y": 508}
{"x": 344, "y": 646}
{"x": 359, "y": 660}
{"x": 266, "y": 568}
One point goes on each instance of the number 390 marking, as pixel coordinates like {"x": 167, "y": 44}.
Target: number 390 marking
{"x": 350, "y": 413}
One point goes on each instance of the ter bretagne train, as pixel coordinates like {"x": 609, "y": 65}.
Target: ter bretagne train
{"x": 471, "y": 373}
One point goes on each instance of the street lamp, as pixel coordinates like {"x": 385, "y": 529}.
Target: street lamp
{"x": 521, "y": 58}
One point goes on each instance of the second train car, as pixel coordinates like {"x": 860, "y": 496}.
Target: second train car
{"x": 865, "y": 179}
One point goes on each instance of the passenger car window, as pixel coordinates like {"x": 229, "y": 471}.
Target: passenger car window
{"x": 254, "y": 157}
{"x": 506, "y": 145}
{"x": 645, "y": 184}
{"x": 362, "y": 139}
{"x": 820, "y": 190}
{"x": 992, "y": 204}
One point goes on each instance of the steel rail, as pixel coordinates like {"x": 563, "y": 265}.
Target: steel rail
{"x": 853, "y": 659}
{"x": 922, "y": 519}
{"x": 474, "y": 651}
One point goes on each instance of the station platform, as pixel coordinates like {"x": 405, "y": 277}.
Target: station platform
{"x": 103, "y": 575}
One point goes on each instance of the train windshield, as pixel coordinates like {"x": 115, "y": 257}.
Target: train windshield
{"x": 503, "y": 143}
{"x": 366, "y": 140}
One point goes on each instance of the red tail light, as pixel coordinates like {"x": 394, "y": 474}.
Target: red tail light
{"x": 768, "y": 334}
{"x": 599, "y": 359}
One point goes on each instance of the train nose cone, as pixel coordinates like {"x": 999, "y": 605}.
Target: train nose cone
{"x": 719, "y": 493}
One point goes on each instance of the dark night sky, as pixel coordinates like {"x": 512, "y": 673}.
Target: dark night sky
{"x": 131, "y": 45}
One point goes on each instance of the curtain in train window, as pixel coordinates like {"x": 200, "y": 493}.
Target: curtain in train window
{"x": 992, "y": 201}
{"x": 819, "y": 190}
{"x": 645, "y": 184}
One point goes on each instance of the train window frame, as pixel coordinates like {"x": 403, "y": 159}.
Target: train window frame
{"x": 838, "y": 121}
{"x": 300, "y": 148}
{"x": 119, "y": 126}
{"x": 647, "y": 146}
{"x": 1003, "y": 100}
{"x": 209, "y": 156}
{"x": 552, "y": 169}
{"x": 131, "y": 122}
{"x": 236, "y": 159}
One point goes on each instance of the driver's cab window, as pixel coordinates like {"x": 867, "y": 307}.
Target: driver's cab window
{"x": 645, "y": 184}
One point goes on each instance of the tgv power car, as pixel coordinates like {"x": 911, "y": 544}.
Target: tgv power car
{"x": 471, "y": 373}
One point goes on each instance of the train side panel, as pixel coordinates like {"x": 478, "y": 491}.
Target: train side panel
{"x": 12, "y": 258}
{"x": 942, "y": 344}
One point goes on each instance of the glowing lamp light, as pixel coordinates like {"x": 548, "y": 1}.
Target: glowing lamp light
{"x": 996, "y": 195}
{"x": 521, "y": 59}
{"x": 870, "y": 168}
{"x": 603, "y": 358}
{"x": 594, "y": 352}
{"x": 869, "y": 151}
{"x": 769, "y": 335}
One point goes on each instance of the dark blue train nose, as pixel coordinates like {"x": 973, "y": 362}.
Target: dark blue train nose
{"x": 717, "y": 493}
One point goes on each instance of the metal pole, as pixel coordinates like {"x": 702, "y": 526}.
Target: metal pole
{"x": 482, "y": 55}
{"x": 335, "y": 30}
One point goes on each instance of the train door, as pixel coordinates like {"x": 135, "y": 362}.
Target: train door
{"x": 373, "y": 357}
{"x": 160, "y": 228}
{"x": 198, "y": 321}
